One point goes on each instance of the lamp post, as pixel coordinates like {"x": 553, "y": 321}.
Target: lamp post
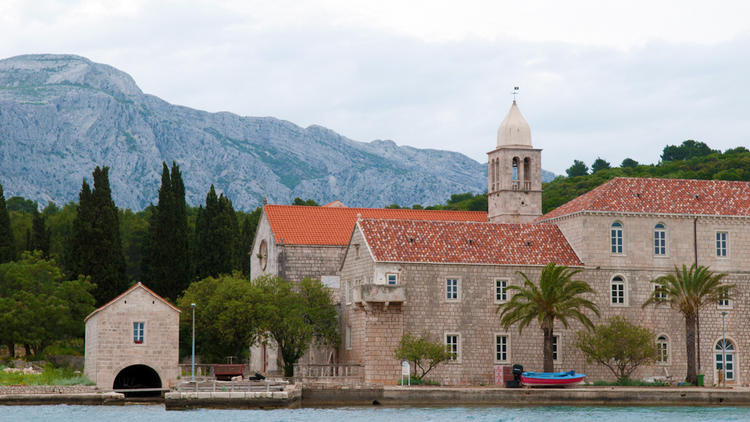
{"x": 192, "y": 361}
{"x": 724, "y": 348}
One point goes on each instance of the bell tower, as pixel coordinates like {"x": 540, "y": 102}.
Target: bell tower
{"x": 514, "y": 176}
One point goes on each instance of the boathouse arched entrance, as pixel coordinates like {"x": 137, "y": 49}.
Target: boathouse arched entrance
{"x": 138, "y": 377}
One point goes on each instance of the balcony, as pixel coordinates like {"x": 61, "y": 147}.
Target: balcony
{"x": 378, "y": 293}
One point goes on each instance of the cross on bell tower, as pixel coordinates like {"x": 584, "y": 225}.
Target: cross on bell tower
{"x": 514, "y": 176}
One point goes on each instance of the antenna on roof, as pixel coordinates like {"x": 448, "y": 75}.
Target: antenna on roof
{"x": 515, "y": 92}
{"x": 264, "y": 201}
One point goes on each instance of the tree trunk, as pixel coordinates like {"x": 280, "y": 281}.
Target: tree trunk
{"x": 11, "y": 349}
{"x": 549, "y": 365}
{"x": 698, "y": 340}
{"x": 27, "y": 349}
{"x": 692, "y": 376}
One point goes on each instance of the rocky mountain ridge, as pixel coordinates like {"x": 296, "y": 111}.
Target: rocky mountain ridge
{"x": 62, "y": 115}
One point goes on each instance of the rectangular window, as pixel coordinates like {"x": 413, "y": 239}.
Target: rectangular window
{"x": 138, "y": 331}
{"x": 451, "y": 289}
{"x": 451, "y": 346}
{"x": 660, "y": 241}
{"x": 662, "y": 353}
{"x": 555, "y": 347}
{"x": 501, "y": 348}
{"x": 618, "y": 292}
{"x": 616, "y": 238}
{"x": 721, "y": 244}
{"x": 724, "y": 301}
{"x": 348, "y": 337}
{"x": 659, "y": 295}
{"x": 501, "y": 296}
{"x": 391, "y": 279}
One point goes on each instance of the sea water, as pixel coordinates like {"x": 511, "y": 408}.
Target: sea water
{"x": 139, "y": 413}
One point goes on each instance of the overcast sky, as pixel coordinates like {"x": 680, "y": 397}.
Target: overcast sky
{"x": 597, "y": 79}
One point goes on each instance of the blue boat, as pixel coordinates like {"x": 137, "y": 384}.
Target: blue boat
{"x": 551, "y": 378}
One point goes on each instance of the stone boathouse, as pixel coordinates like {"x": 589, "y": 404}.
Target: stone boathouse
{"x": 133, "y": 342}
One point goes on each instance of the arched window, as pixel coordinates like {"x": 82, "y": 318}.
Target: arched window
{"x": 515, "y": 168}
{"x": 724, "y": 354}
{"x": 662, "y": 349}
{"x": 527, "y": 168}
{"x": 616, "y": 237}
{"x": 617, "y": 289}
{"x": 660, "y": 240}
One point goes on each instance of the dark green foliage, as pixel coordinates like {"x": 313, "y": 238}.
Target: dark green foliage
{"x": 7, "y": 244}
{"x": 422, "y": 352}
{"x": 619, "y": 345}
{"x": 309, "y": 202}
{"x": 629, "y": 163}
{"x": 599, "y": 164}
{"x": 577, "y": 169}
{"x": 688, "y": 149}
{"x": 166, "y": 264}
{"x": 17, "y": 203}
{"x": 216, "y": 237}
{"x": 134, "y": 233}
{"x": 39, "y": 239}
{"x": 247, "y": 235}
{"x": 96, "y": 249}
{"x": 37, "y": 304}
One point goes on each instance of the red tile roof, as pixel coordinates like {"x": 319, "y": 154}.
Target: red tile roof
{"x": 467, "y": 242}
{"x": 302, "y": 225}
{"x": 125, "y": 293}
{"x": 662, "y": 196}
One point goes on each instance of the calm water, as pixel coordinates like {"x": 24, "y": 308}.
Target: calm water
{"x": 375, "y": 414}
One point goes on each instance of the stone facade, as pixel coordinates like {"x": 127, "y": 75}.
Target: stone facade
{"x": 111, "y": 344}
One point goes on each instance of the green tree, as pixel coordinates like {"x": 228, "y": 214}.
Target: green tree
{"x": 425, "y": 354}
{"x": 308, "y": 203}
{"x": 7, "y": 244}
{"x": 579, "y": 168}
{"x": 247, "y": 235}
{"x": 688, "y": 291}
{"x": 40, "y": 234}
{"x": 600, "y": 164}
{"x": 96, "y": 249}
{"x": 556, "y": 297}
{"x": 167, "y": 265}
{"x": 215, "y": 237}
{"x": 295, "y": 315}
{"x": 37, "y": 304}
{"x": 618, "y": 345}
{"x": 21, "y": 204}
{"x": 226, "y": 317}
{"x": 688, "y": 149}
{"x": 629, "y": 163}
{"x": 134, "y": 234}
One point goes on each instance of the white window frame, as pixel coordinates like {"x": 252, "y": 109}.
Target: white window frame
{"x": 724, "y": 303}
{"x": 662, "y": 295}
{"x": 719, "y": 358}
{"x": 142, "y": 332}
{"x": 504, "y": 295}
{"x": 556, "y": 347}
{"x": 722, "y": 244}
{"x": 507, "y": 347}
{"x": 617, "y": 238}
{"x": 624, "y": 282}
{"x": 663, "y": 352}
{"x": 458, "y": 289}
{"x": 348, "y": 335}
{"x": 457, "y": 358}
{"x": 660, "y": 240}
{"x": 388, "y": 279}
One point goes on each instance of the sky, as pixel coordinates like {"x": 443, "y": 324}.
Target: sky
{"x": 597, "y": 78}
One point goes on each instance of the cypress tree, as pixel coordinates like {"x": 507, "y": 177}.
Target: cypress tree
{"x": 40, "y": 235}
{"x": 215, "y": 237}
{"x": 7, "y": 245}
{"x": 96, "y": 248}
{"x": 167, "y": 266}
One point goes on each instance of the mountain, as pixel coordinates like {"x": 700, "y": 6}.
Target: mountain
{"x": 62, "y": 115}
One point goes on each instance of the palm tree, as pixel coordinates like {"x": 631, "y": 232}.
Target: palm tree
{"x": 688, "y": 291}
{"x": 557, "y": 297}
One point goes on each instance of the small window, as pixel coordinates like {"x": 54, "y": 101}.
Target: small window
{"x": 659, "y": 294}
{"x": 452, "y": 347}
{"x": 451, "y": 289}
{"x": 501, "y": 348}
{"x": 555, "y": 347}
{"x": 662, "y": 349}
{"x": 348, "y": 337}
{"x": 660, "y": 240}
{"x": 501, "y": 295}
{"x": 724, "y": 301}
{"x": 616, "y": 237}
{"x": 391, "y": 279}
{"x": 721, "y": 244}
{"x": 617, "y": 290}
{"x": 138, "y": 332}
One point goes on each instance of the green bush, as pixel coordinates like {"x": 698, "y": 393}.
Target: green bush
{"x": 418, "y": 381}
{"x": 50, "y": 376}
{"x": 627, "y": 382}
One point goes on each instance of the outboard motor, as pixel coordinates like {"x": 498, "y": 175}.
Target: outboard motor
{"x": 516, "y": 381}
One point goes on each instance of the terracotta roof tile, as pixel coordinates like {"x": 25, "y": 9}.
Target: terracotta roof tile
{"x": 467, "y": 242}
{"x": 302, "y": 225}
{"x": 662, "y": 196}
